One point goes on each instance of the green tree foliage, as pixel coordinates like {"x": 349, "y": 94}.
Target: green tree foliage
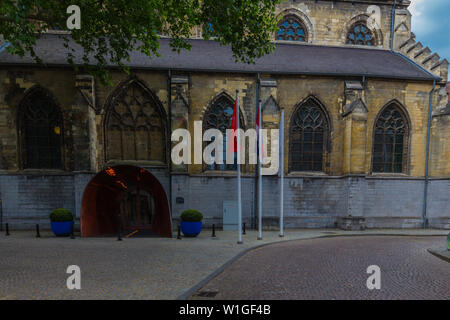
{"x": 111, "y": 29}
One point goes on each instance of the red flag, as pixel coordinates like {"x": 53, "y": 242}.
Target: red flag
{"x": 232, "y": 143}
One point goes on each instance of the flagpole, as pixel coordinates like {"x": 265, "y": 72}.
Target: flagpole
{"x": 281, "y": 165}
{"x": 238, "y": 154}
{"x": 259, "y": 174}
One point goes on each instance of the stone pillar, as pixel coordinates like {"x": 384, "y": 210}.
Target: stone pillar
{"x": 355, "y": 116}
{"x": 179, "y": 111}
{"x": 84, "y": 137}
{"x": 270, "y": 116}
{"x": 83, "y": 105}
{"x": 402, "y": 27}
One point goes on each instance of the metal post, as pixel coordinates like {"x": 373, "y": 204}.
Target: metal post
{"x": 169, "y": 136}
{"x": 281, "y": 165}
{"x": 213, "y": 231}
{"x": 243, "y": 228}
{"x": 255, "y": 198}
{"x": 238, "y": 151}
{"x": 1, "y": 216}
{"x": 38, "y": 234}
{"x": 7, "y": 229}
{"x": 259, "y": 156}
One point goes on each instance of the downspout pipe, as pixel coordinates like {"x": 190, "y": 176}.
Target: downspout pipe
{"x": 393, "y": 24}
{"x": 430, "y": 107}
{"x": 427, "y": 158}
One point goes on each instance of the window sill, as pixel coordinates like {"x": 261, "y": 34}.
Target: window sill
{"x": 136, "y": 163}
{"x": 388, "y": 175}
{"x": 219, "y": 173}
{"x": 43, "y": 172}
{"x": 307, "y": 174}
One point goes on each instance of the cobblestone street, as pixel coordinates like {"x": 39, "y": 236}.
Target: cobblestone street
{"x": 335, "y": 268}
{"x": 164, "y": 268}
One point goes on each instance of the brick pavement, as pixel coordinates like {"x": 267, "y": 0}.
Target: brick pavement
{"x": 335, "y": 268}
{"x": 136, "y": 268}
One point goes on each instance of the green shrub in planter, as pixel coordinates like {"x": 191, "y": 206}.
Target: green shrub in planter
{"x": 191, "y": 215}
{"x": 61, "y": 215}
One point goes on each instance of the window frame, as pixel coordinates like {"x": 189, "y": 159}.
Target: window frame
{"x": 352, "y": 30}
{"x": 23, "y": 145}
{"x": 326, "y": 142}
{"x": 113, "y": 98}
{"x": 299, "y": 21}
{"x": 406, "y": 140}
{"x": 222, "y": 96}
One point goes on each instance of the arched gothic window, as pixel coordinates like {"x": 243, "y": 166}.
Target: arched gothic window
{"x": 40, "y": 131}
{"x": 359, "y": 34}
{"x": 292, "y": 29}
{"x": 390, "y": 147}
{"x": 219, "y": 116}
{"x": 308, "y": 137}
{"x": 135, "y": 125}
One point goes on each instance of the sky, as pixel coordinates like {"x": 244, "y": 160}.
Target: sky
{"x": 431, "y": 24}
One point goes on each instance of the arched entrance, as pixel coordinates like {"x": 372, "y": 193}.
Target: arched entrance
{"x": 127, "y": 194}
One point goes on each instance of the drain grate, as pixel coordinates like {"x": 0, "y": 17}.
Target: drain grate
{"x": 207, "y": 294}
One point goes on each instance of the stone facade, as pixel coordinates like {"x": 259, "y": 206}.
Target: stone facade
{"x": 347, "y": 185}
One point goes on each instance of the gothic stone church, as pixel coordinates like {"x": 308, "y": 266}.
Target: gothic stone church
{"x": 357, "y": 121}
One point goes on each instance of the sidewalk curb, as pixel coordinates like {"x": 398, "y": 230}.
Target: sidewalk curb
{"x": 439, "y": 255}
{"x": 219, "y": 270}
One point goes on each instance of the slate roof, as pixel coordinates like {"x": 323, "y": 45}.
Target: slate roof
{"x": 304, "y": 59}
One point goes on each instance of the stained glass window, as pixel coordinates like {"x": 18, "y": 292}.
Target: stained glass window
{"x": 219, "y": 116}
{"x": 135, "y": 126}
{"x": 292, "y": 29}
{"x": 308, "y": 135}
{"x": 390, "y": 147}
{"x": 40, "y": 131}
{"x": 359, "y": 34}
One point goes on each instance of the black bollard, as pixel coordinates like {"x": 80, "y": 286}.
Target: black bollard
{"x": 243, "y": 228}
{"x": 179, "y": 233}
{"x": 38, "y": 234}
{"x": 119, "y": 235}
{"x": 72, "y": 236}
{"x": 214, "y": 231}
{"x": 7, "y": 229}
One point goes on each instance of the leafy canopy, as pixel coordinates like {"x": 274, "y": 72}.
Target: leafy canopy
{"x": 111, "y": 29}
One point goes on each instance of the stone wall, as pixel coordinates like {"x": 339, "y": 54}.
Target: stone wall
{"x": 346, "y": 187}
{"x": 317, "y": 202}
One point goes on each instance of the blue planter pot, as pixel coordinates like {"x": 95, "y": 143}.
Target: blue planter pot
{"x": 61, "y": 229}
{"x": 191, "y": 229}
